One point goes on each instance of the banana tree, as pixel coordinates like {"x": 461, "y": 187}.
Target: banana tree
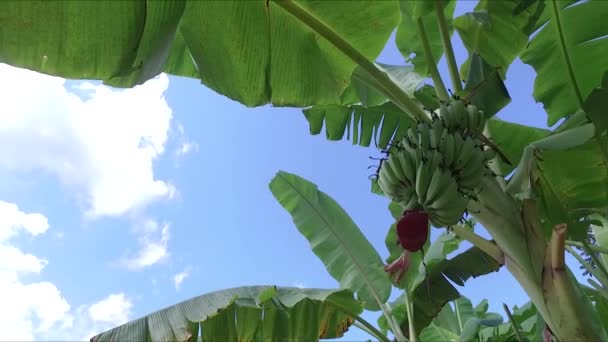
{"x": 535, "y": 191}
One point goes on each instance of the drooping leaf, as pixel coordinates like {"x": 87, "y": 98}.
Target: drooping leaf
{"x": 407, "y": 39}
{"x": 495, "y": 33}
{"x": 334, "y": 238}
{"x": 485, "y": 84}
{"x": 244, "y": 314}
{"x": 252, "y": 51}
{"x": 576, "y": 43}
{"x": 512, "y": 139}
{"x": 567, "y": 173}
{"x": 363, "y": 125}
{"x": 596, "y": 105}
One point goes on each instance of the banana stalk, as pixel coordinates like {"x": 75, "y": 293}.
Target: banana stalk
{"x": 536, "y": 263}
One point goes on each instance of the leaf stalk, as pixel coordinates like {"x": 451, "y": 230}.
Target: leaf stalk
{"x": 389, "y": 88}
{"x": 487, "y": 246}
{"x": 447, "y": 47}
{"x": 442, "y": 93}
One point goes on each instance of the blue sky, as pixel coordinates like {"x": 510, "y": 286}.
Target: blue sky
{"x": 115, "y": 203}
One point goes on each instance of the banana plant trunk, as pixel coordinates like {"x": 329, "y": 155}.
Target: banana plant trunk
{"x": 537, "y": 264}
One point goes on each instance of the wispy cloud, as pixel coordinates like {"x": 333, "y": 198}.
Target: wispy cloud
{"x": 153, "y": 246}
{"x": 179, "y": 278}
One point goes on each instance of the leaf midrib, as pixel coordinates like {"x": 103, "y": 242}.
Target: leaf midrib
{"x": 333, "y": 230}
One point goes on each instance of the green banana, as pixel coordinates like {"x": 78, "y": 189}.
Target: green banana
{"x": 393, "y": 160}
{"x": 387, "y": 173}
{"x": 481, "y": 124}
{"x": 449, "y": 150}
{"x": 446, "y": 197}
{"x": 476, "y": 160}
{"x": 387, "y": 188}
{"x": 458, "y": 144}
{"x": 470, "y": 178}
{"x": 423, "y": 179}
{"x": 412, "y": 136}
{"x": 424, "y": 137}
{"x": 458, "y": 111}
{"x": 446, "y": 116}
{"x": 466, "y": 152}
{"x": 473, "y": 119}
{"x": 407, "y": 165}
{"x": 435, "y": 159}
{"x": 436, "y": 133}
{"x": 439, "y": 183}
{"x": 418, "y": 157}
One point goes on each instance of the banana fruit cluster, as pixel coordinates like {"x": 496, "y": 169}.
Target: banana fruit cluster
{"x": 438, "y": 167}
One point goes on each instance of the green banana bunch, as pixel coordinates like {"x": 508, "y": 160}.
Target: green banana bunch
{"x": 438, "y": 167}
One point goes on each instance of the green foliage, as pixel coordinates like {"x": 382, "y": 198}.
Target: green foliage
{"x": 407, "y": 38}
{"x": 568, "y": 55}
{"x": 429, "y": 284}
{"x": 484, "y": 83}
{"x": 461, "y": 323}
{"x": 259, "y": 52}
{"x": 251, "y": 51}
{"x": 495, "y": 33}
{"x": 236, "y": 314}
{"x": 334, "y": 238}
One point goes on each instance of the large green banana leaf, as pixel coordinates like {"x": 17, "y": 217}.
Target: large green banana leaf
{"x": 568, "y": 54}
{"x": 251, "y": 51}
{"x": 348, "y": 256}
{"x": 260, "y": 313}
{"x": 495, "y": 32}
{"x": 567, "y": 171}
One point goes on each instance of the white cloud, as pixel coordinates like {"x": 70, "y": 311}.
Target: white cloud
{"x": 102, "y": 146}
{"x": 153, "y": 249}
{"x": 299, "y": 285}
{"x": 27, "y": 308}
{"x": 12, "y": 220}
{"x": 179, "y": 278}
{"x": 114, "y": 309}
{"x": 37, "y": 310}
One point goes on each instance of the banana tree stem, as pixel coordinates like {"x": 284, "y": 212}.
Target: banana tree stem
{"x": 389, "y": 88}
{"x": 442, "y": 93}
{"x": 447, "y": 47}
{"x": 513, "y": 323}
{"x": 487, "y": 246}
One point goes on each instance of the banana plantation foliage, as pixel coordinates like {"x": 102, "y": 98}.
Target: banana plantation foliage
{"x": 449, "y": 163}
